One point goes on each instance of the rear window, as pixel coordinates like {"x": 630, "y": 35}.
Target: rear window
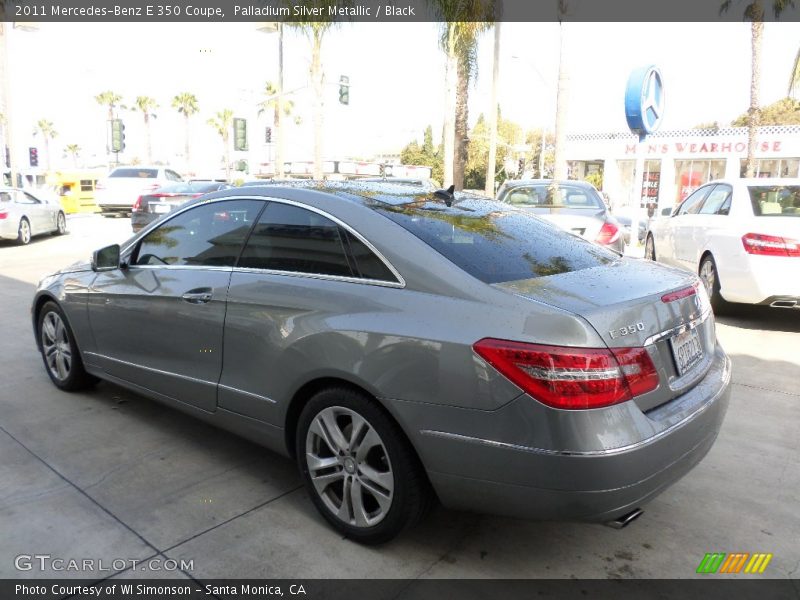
{"x": 775, "y": 200}
{"x": 140, "y": 173}
{"x": 547, "y": 196}
{"x": 494, "y": 242}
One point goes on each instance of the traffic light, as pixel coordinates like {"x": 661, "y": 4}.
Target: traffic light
{"x": 268, "y": 135}
{"x": 344, "y": 89}
{"x": 239, "y": 134}
{"x": 117, "y": 135}
{"x": 33, "y": 156}
{"x": 8, "y": 158}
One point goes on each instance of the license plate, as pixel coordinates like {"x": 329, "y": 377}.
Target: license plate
{"x": 161, "y": 208}
{"x": 687, "y": 350}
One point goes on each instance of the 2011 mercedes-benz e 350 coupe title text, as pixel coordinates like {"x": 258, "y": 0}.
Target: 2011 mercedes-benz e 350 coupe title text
{"x": 403, "y": 345}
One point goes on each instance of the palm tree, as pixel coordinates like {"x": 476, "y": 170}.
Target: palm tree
{"x": 146, "y": 105}
{"x": 315, "y": 31}
{"x": 794, "y": 79}
{"x": 48, "y": 132}
{"x": 74, "y": 151}
{"x": 280, "y": 107}
{"x": 462, "y": 21}
{"x": 186, "y": 104}
{"x": 223, "y": 123}
{"x": 754, "y": 12}
{"x": 111, "y": 100}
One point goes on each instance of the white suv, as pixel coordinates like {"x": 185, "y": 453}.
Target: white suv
{"x": 117, "y": 193}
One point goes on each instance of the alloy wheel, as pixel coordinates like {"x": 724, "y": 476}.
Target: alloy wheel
{"x": 649, "y": 248}
{"x": 349, "y": 467}
{"x": 56, "y": 347}
{"x": 24, "y": 232}
{"x": 709, "y": 276}
{"x": 62, "y": 224}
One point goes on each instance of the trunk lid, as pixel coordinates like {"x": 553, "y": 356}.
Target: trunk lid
{"x": 623, "y": 302}
{"x": 585, "y": 222}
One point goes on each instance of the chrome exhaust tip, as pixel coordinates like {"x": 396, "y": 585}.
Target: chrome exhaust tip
{"x": 784, "y": 304}
{"x": 625, "y": 520}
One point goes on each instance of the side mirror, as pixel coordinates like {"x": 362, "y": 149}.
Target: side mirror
{"x": 106, "y": 259}
{"x": 666, "y": 212}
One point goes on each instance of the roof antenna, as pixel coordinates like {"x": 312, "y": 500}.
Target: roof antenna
{"x": 446, "y": 195}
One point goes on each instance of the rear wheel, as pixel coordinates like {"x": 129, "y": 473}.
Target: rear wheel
{"x": 650, "y": 248}
{"x": 710, "y": 278}
{"x": 24, "y": 232}
{"x": 359, "y": 469}
{"x": 60, "y": 354}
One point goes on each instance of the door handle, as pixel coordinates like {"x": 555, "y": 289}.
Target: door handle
{"x": 197, "y": 296}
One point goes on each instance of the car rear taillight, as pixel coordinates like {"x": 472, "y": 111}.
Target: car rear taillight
{"x": 682, "y": 293}
{"x": 609, "y": 233}
{"x": 572, "y": 378}
{"x": 770, "y": 245}
{"x": 3, "y": 214}
{"x": 137, "y": 206}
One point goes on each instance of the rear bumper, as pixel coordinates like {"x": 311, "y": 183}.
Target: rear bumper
{"x": 485, "y": 473}
{"x": 754, "y": 279}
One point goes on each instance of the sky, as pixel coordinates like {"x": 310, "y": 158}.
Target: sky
{"x": 397, "y": 75}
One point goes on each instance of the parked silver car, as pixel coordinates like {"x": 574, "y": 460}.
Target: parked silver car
{"x": 575, "y": 206}
{"x": 400, "y": 345}
{"x": 24, "y": 215}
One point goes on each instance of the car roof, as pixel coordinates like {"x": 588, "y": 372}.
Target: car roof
{"x": 519, "y": 182}
{"x": 365, "y": 194}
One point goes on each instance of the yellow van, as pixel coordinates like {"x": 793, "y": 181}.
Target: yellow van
{"x": 76, "y": 188}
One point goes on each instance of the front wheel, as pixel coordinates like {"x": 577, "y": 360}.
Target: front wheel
{"x": 60, "y": 354}
{"x": 61, "y": 224}
{"x": 650, "y": 248}
{"x": 359, "y": 469}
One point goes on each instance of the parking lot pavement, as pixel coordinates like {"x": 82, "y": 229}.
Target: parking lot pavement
{"x": 110, "y": 475}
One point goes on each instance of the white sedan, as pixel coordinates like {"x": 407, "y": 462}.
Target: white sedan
{"x": 741, "y": 236}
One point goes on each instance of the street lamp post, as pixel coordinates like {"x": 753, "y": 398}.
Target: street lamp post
{"x": 277, "y": 27}
{"x": 544, "y": 130}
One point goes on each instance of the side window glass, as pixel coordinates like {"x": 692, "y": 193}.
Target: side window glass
{"x": 716, "y": 200}
{"x": 367, "y": 264}
{"x": 293, "y": 239}
{"x": 209, "y": 235}
{"x": 694, "y": 202}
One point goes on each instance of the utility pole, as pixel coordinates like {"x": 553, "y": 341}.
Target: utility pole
{"x": 490, "y": 167}
{"x": 7, "y": 107}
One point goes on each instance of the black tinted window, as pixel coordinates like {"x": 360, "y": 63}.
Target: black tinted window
{"x": 494, "y": 242}
{"x": 207, "y": 235}
{"x": 367, "y": 263}
{"x": 289, "y": 238}
{"x": 775, "y": 200}
{"x": 133, "y": 172}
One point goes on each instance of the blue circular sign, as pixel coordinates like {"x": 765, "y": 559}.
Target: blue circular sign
{"x": 644, "y": 100}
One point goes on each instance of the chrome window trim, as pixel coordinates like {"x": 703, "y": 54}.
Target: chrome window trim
{"x": 400, "y": 283}
{"x": 693, "y": 324}
{"x": 245, "y": 393}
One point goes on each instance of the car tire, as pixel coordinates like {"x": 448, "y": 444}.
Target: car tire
{"x": 24, "y": 232}
{"x": 368, "y": 483}
{"x": 60, "y": 354}
{"x": 710, "y": 278}
{"x": 650, "y": 247}
{"x": 61, "y": 224}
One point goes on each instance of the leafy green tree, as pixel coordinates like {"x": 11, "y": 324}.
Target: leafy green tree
{"x": 147, "y": 106}
{"x": 508, "y": 134}
{"x": 783, "y": 112}
{"x": 111, "y": 100}
{"x": 754, "y": 12}
{"x": 222, "y": 124}
{"x": 279, "y": 106}
{"x": 425, "y": 155}
{"x": 48, "y": 132}
{"x": 462, "y": 21}
{"x": 73, "y": 151}
{"x": 186, "y": 104}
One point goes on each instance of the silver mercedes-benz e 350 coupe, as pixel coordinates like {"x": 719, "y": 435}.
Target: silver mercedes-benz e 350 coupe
{"x": 403, "y": 346}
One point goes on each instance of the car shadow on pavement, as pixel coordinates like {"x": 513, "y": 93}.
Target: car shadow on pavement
{"x": 762, "y": 318}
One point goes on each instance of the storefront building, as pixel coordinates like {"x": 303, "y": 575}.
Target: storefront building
{"x": 675, "y": 163}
